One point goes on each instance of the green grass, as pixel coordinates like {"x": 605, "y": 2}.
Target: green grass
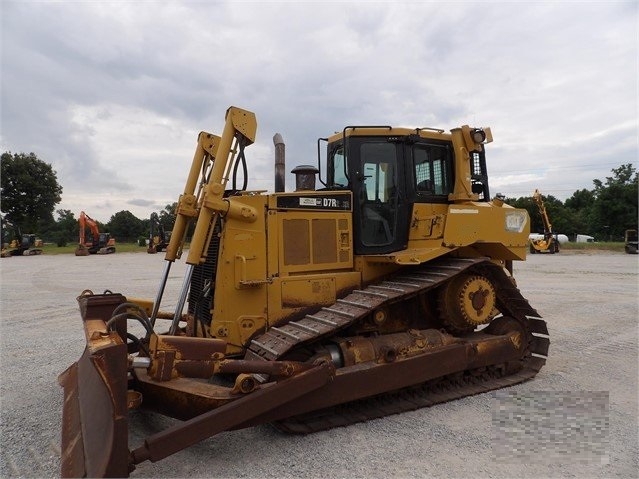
{"x": 599, "y": 246}
{"x": 70, "y": 249}
{"x": 134, "y": 248}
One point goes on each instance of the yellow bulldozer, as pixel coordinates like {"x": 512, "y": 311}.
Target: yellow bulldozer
{"x": 18, "y": 243}
{"x": 387, "y": 287}
{"x": 158, "y": 237}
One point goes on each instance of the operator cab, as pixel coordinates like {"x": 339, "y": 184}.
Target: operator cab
{"x": 387, "y": 174}
{"x": 388, "y": 171}
{"x": 103, "y": 239}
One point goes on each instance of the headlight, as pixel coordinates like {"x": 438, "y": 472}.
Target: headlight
{"x": 478, "y": 135}
{"x": 515, "y": 221}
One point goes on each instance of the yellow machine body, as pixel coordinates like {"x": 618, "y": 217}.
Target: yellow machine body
{"x": 394, "y": 277}
{"x": 297, "y": 253}
{"x": 289, "y": 261}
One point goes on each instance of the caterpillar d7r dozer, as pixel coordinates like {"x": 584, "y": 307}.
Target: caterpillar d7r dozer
{"x": 388, "y": 288}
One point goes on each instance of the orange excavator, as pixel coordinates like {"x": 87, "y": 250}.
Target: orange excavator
{"x": 99, "y": 243}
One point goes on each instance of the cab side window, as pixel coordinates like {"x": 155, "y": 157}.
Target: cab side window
{"x": 432, "y": 169}
{"x": 423, "y": 172}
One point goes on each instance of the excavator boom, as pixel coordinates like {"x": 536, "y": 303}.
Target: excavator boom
{"x": 550, "y": 241}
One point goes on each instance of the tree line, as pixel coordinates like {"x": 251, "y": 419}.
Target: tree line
{"x": 605, "y": 212}
{"x": 30, "y": 192}
{"x": 124, "y": 226}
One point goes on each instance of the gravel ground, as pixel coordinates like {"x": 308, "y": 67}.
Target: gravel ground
{"x": 579, "y": 415}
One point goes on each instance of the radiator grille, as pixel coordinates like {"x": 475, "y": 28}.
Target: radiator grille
{"x": 201, "y": 300}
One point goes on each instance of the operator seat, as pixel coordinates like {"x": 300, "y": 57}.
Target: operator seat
{"x": 425, "y": 186}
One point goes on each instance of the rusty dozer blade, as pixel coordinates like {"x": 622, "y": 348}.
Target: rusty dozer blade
{"x": 97, "y": 399}
{"x": 95, "y": 429}
{"x": 94, "y": 422}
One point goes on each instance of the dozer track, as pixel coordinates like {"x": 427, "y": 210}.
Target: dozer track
{"x": 278, "y": 341}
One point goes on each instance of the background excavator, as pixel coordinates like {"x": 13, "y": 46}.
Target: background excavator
{"x": 158, "y": 237}
{"x": 390, "y": 287}
{"x": 97, "y": 243}
{"x": 15, "y": 243}
{"x": 550, "y": 241}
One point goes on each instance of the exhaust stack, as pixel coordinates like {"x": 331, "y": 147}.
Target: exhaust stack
{"x": 280, "y": 163}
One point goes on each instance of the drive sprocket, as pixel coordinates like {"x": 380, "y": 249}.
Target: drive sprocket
{"x": 466, "y": 302}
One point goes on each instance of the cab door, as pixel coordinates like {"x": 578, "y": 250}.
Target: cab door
{"x": 380, "y": 211}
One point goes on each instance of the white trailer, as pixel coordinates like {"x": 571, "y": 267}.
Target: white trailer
{"x": 584, "y": 239}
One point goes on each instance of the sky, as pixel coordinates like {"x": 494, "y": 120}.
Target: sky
{"x": 114, "y": 94}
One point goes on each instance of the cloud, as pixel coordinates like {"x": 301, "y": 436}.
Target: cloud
{"x": 113, "y": 94}
{"x": 141, "y": 202}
